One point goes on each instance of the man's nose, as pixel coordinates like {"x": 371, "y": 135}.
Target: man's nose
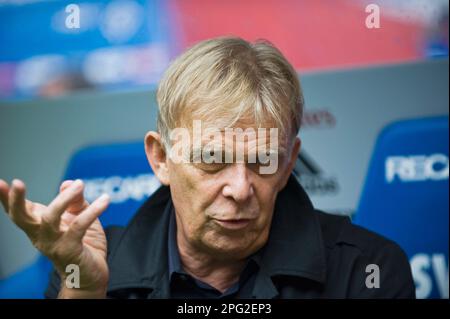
{"x": 238, "y": 186}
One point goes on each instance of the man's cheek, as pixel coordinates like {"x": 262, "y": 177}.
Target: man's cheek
{"x": 199, "y": 225}
{"x": 263, "y": 221}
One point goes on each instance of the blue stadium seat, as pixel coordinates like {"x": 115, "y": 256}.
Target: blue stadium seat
{"x": 29, "y": 282}
{"x": 122, "y": 171}
{"x": 405, "y": 198}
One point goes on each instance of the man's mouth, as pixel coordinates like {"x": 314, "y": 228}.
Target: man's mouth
{"x": 233, "y": 224}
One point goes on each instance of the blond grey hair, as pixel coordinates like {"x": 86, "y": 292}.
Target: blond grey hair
{"x": 225, "y": 80}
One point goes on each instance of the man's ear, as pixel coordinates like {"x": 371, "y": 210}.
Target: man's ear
{"x": 156, "y": 156}
{"x": 292, "y": 159}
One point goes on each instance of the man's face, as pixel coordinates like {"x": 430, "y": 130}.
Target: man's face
{"x": 226, "y": 209}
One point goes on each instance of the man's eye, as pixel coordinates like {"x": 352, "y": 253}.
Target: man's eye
{"x": 256, "y": 166}
{"x": 211, "y": 167}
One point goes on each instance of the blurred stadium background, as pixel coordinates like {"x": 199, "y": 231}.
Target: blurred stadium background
{"x": 125, "y": 44}
{"x": 63, "y": 89}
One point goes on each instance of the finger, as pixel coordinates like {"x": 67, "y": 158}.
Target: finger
{"x": 17, "y": 204}
{"x": 78, "y": 203}
{"x": 4, "y": 190}
{"x": 52, "y": 216}
{"x": 65, "y": 184}
{"x": 81, "y": 223}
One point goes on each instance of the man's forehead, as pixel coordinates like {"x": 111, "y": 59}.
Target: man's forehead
{"x": 222, "y": 120}
{"x": 246, "y": 127}
{"x": 248, "y": 140}
{"x": 245, "y": 130}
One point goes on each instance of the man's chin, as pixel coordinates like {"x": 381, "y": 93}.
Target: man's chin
{"x": 229, "y": 254}
{"x": 229, "y": 247}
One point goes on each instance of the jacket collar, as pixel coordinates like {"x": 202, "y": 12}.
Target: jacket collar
{"x": 294, "y": 248}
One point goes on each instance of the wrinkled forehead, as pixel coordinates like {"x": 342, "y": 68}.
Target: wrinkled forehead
{"x": 244, "y": 134}
{"x": 227, "y": 119}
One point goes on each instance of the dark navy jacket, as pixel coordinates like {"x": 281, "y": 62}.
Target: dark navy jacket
{"x": 309, "y": 254}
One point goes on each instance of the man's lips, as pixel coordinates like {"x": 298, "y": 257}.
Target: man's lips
{"x": 233, "y": 223}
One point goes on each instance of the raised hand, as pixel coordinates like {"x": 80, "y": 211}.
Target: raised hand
{"x": 67, "y": 231}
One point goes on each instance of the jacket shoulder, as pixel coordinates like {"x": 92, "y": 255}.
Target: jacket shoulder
{"x": 339, "y": 230}
{"x": 368, "y": 248}
{"x": 113, "y": 235}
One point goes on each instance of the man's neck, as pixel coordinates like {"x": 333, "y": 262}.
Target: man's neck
{"x": 220, "y": 274}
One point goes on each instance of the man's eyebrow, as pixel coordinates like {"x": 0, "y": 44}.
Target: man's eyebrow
{"x": 281, "y": 151}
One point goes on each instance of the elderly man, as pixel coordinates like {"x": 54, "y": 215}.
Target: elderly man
{"x": 230, "y": 221}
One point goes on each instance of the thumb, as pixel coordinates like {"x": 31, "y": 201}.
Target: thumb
{"x": 79, "y": 202}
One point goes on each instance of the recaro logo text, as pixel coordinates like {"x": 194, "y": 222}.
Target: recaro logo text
{"x": 121, "y": 188}
{"x": 417, "y": 168}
